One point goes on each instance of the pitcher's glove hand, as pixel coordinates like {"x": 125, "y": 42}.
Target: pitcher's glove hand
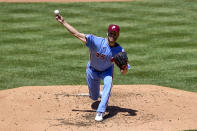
{"x": 121, "y": 60}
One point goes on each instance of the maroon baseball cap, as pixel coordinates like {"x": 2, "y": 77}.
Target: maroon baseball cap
{"x": 113, "y": 27}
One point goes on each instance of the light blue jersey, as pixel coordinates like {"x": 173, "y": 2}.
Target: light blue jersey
{"x": 100, "y": 67}
{"x": 100, "y": 52}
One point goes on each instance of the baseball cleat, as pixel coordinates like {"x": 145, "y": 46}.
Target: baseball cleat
{"x": 99, "y": 116}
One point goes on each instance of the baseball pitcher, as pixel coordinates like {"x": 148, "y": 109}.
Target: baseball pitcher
{"x": 104, "y": 52}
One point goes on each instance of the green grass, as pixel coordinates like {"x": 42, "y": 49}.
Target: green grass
{"x": 159, "y": 36}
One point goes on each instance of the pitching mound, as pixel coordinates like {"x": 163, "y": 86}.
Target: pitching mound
{"x": 131, "y": 107}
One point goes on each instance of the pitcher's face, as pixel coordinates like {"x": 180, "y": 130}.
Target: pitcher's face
{"x": 113, "y": 36}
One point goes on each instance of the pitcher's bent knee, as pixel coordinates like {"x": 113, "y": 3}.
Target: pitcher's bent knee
{"x": 94, "y": 98}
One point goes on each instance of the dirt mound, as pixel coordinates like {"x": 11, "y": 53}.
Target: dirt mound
{"x": 131, "y": 107}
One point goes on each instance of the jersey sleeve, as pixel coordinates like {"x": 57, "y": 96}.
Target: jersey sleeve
{"x": 90, "y": 41}
{"x": 120, "y": 49}
{"x": 116, "y": 50}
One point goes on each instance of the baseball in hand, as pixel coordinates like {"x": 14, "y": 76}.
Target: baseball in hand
{"x": 56, "y": 12}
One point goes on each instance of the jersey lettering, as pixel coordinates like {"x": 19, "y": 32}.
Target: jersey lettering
{"x": 97, "y": 54}
{"x": 101, "y": 56}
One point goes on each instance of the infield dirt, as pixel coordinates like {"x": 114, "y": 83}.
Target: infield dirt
{"x": 131, "y": 108}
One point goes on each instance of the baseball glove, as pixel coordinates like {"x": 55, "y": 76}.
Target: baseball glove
{"x": 121, "y": 60}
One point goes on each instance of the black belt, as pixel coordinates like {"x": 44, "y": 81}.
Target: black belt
{"x": 93, "y": 69}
